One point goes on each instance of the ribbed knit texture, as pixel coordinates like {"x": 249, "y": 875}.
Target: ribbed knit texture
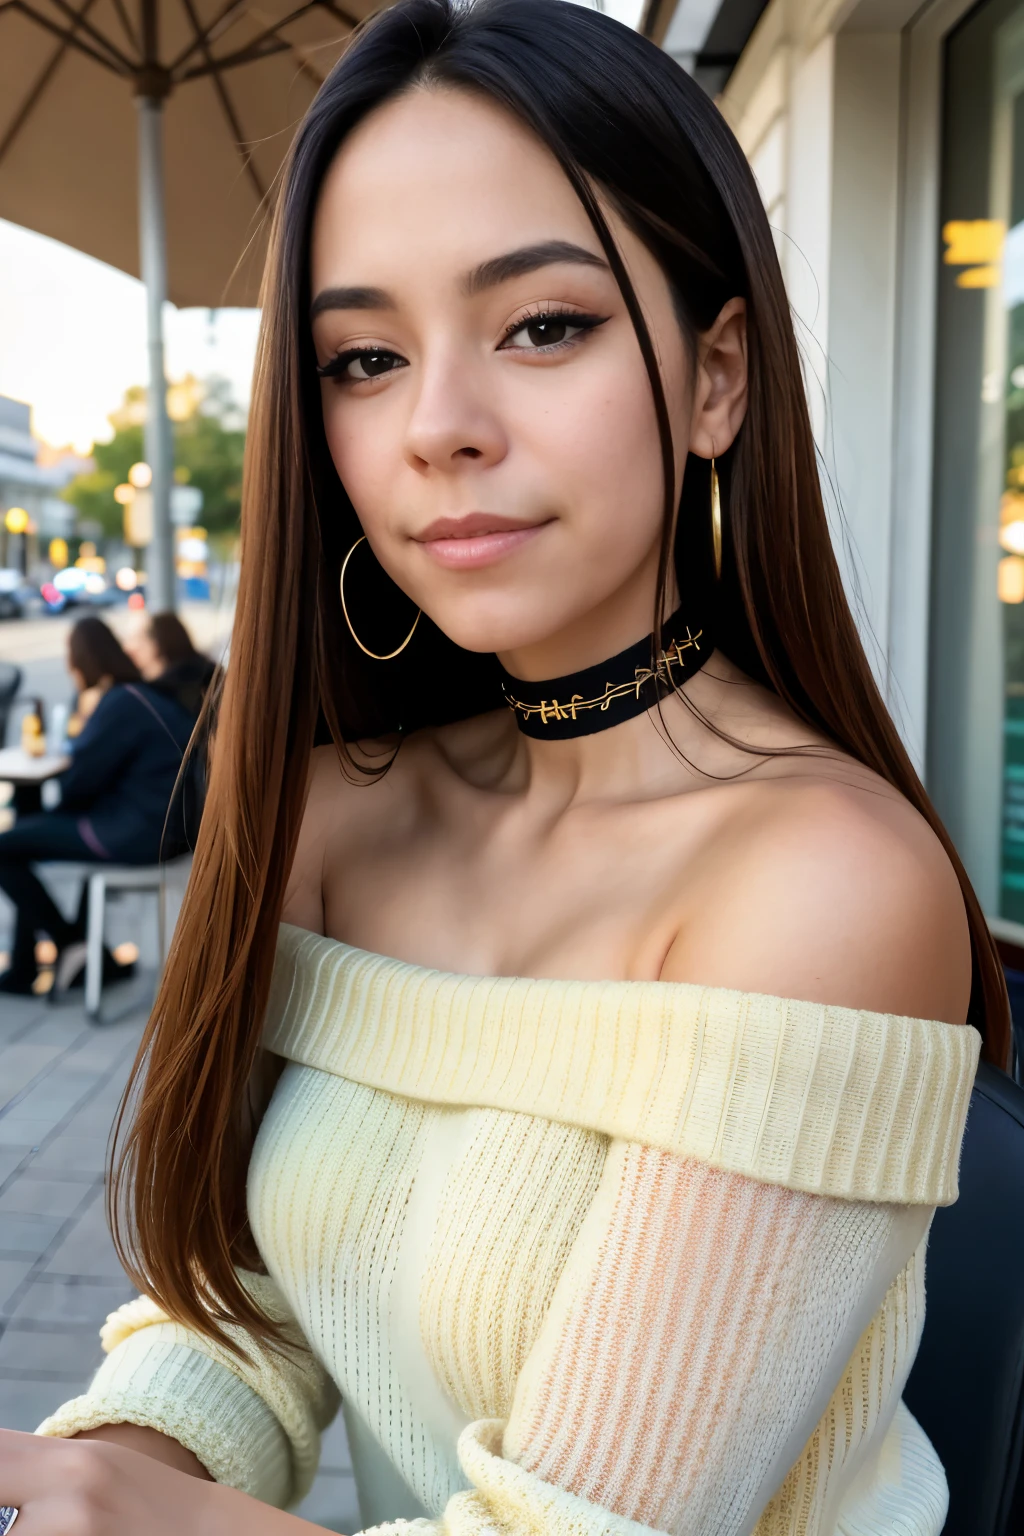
{"x": 831, "y": 1100}
{"x": 581, "y": 1257}
{"x": 254, "y": 1421}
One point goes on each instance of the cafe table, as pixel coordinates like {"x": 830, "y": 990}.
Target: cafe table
{"x": 28, "y": 775}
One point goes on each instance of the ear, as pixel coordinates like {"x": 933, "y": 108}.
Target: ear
{"x": 720, "y": 390}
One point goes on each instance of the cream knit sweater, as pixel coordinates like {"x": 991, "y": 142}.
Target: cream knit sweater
{"x": 582, "y": 1258}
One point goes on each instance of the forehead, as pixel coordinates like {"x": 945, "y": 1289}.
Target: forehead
{"x": 438, "y": 177}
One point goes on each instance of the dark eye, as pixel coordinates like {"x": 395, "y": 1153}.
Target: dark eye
{"x": 361, "y": 363}
{"x": 369, "y": 364}
{"x": 544, "y": 331}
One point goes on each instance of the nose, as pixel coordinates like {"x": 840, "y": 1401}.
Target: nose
{"x": 455, "y": 420}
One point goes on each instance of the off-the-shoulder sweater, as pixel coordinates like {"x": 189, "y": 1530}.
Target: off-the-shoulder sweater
{"x": 580, "y": 1258}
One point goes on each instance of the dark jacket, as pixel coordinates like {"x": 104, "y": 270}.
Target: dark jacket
{"x": 123, "y": 770}
{"x": 187, "y": 681}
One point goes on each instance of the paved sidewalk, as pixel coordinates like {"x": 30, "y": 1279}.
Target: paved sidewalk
{"x": 60, "y": 1084}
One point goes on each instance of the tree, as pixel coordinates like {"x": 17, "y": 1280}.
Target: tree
{"x": 209, "y": 445}
{"x": 92, "y": 493}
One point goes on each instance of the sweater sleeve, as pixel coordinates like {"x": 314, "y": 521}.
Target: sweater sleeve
{"x": 709, "y": 1348}
{"x": 253, "y": 1421}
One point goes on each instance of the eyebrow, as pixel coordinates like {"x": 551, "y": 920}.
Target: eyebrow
{"x": 528, "y": 258}
{"x": 350, "y": 298}
{"x": 489, "y": 274}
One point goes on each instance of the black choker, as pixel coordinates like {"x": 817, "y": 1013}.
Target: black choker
{"x": 560, "y": 708}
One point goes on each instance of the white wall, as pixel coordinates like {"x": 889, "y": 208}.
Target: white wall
{"x": 861, "y": 334}
{"x": 817, "y": 103}
{"x": 688, "y": 29}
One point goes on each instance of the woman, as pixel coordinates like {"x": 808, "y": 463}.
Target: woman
{"x": 613, "y": 1054}
{"x": 161, "y": 647}
{"x": 114, "y": 801}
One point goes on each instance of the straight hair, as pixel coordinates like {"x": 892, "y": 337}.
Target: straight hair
{"x": 628, "y": 126}
{"x": 95, "y": 651}
{"x": 171, "y": 638}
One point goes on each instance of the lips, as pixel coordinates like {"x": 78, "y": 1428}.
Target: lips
{"x": 479, "y": 539}
{"x": 471, "y": 526}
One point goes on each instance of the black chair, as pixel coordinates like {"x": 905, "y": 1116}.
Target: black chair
{"x": 10, "y": 682}
{"x": 1015, "y": 988}
{"x": 967, "y": 1386}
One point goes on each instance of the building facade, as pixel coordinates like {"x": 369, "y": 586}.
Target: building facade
{"x": 887, "y": 137}
{"x": 24, "y": 482}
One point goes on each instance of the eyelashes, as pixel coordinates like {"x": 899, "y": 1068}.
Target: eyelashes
{"x": 550, "y": 321}
{"x": 375, "y": 362}
{"x": 547, "y": 331}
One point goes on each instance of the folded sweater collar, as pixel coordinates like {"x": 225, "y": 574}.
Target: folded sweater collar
{"x": 833, "y": 1101}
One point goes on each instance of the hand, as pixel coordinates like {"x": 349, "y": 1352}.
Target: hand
{"x": 93, "y": 1488}
{"x": 88, "y": 699}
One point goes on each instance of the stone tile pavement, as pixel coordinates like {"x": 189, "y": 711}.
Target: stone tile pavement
{"x": 60, "y": 1083}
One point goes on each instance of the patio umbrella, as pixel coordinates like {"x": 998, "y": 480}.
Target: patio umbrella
{"x": 173, "y": 189}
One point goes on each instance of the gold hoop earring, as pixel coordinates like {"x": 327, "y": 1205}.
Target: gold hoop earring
{"x": 341, "y": 587}
{"x": 716, "y": 518}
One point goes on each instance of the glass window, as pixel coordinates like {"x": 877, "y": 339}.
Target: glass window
{"x": 976, "y": 704}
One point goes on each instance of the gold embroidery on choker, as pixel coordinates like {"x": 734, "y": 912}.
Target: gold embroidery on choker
{"x": 549, "y": 710}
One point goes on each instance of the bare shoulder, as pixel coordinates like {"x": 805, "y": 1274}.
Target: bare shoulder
{"x": 338, "y": 799}
{"x": 364, "y": 806}
{"x": 829, "y": 888}
{"x": 303, "y": 897}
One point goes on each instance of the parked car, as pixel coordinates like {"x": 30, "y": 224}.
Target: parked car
{"x": 75, "y": 588}
{"x": 17, "y": 595}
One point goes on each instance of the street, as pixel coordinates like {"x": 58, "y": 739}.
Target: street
{"x": 60, "y": 1084}
{"x": 38, "y": 646}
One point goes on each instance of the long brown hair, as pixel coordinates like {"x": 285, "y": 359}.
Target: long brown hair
{"x": 96, "y": 652}
{"x": 620, "y": 117}
{"x": 172, "y": 639}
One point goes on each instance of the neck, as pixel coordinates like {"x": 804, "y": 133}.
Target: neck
{"x": 620, "y": 620}
{"x": 630, "y": 760}
{"x": 573, "y": 760}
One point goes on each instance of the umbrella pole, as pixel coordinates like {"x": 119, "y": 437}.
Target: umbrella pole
{"x": 160, "y": 583}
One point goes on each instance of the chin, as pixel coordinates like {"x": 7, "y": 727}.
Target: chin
{"x": 488, "y": 628}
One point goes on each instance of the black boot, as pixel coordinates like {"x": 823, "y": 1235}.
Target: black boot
{"x": 17, "y": 983}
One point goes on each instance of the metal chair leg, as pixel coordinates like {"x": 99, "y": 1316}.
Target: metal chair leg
{"x": 94, "y": 944}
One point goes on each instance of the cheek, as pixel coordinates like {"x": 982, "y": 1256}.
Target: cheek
{"x": 597, "y": 444}
{"x": 580, "y": 443}
{"x": 365, "y": 448}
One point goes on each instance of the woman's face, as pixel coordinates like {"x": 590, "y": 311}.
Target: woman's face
{"x": 77, "y": 676}
{"x": 488, "y": 410}
{"x": 143, "y": 650}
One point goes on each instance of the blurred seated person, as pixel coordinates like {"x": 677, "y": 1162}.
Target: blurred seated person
{"x": 161, "y": 647}
{"x": 114, "y": 801}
